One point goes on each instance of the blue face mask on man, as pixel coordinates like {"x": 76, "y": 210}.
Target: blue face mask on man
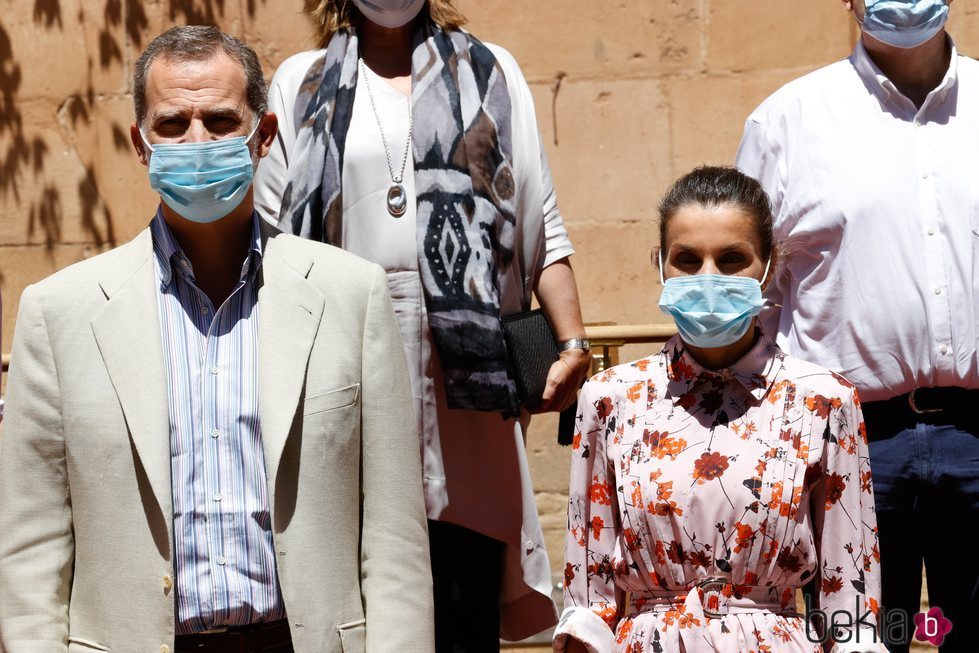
{"x": 904, "y": 23}
{"x": 202, "y": 182}
{"x": 711, "y": 310}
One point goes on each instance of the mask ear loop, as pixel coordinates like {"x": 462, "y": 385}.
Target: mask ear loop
{"x": 765, "y": 276}
{"x": 146, "y": 141}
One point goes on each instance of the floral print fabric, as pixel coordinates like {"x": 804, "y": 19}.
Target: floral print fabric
{"x": 756, "y": 475}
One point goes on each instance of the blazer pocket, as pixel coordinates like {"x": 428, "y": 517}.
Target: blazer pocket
{"x": 82, "y": 644}
{"x": 353, "y": 636}
{"x": 324, "y": 401}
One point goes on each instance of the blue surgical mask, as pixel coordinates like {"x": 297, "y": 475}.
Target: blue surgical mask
{"x": 904, "y": 23}
{"x": 202, "y": 182}
{"x": 711, "y": 310}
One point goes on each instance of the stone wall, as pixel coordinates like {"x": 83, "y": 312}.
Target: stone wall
{"x": 630, "y": 94}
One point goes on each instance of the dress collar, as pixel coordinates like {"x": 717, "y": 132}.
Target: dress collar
{"x": 756, "y": 371}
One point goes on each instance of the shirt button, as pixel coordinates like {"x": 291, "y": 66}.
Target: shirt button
{"x": 924, "y": 175}
{"x": 205, "y": 310}
{"x": 214, "y": 369}
{"x": 931, "y": 232}
{"x": 943, "y": 349}
{"x": 938, "y": 291}
{"x": 215, "y": 433}
{"x": 222, "y": 560}
{"x": 217, "y": 496}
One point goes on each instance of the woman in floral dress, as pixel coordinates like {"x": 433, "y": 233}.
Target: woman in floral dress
{"x": 712, "y": 480}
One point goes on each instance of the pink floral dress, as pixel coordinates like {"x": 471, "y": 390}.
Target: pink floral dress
{"x": 701, "y": 500}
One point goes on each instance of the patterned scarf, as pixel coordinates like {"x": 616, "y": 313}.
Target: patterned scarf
{"x": 461, "y": 145}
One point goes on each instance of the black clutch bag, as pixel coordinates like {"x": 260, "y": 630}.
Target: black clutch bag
{"x": 532, "y": 350}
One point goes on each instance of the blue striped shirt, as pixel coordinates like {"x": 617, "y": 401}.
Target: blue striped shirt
{"x": 222, "y": 530}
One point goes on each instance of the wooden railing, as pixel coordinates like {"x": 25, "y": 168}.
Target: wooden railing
{"x": 605, "y": 340}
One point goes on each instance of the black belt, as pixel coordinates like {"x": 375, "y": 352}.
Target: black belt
{"x": 270, "y": 637}
{"x": 936, "y": 406}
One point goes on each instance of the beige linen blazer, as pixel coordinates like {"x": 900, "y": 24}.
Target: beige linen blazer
{"x": 86, "y": 559}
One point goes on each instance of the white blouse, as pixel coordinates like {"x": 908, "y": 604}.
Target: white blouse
{"x": 475, "y": 464}
{"x": 369, "y": 230}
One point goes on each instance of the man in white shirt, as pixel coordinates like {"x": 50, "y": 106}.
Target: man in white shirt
{"x": 872, "y": 165}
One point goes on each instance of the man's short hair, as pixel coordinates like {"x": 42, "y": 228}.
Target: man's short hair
{"x": 200, "y": 43}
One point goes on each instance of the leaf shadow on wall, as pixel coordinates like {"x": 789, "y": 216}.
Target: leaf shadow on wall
{"x": 115, "y": 33}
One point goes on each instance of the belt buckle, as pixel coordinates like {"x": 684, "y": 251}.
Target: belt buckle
{"x": 920, "y": 411}
{"x": 712, "y": 584}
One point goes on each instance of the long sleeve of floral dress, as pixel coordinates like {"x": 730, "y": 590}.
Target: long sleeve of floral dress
{"x": 845, "y": 526}
{"x": 593, "y": 602}
{"x": 702, "y": 501}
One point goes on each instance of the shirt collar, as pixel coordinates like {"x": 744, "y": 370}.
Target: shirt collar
{"x": 884, "y": 88}
{"x": 756, "y": 371}
{"x": 170, "y": 258}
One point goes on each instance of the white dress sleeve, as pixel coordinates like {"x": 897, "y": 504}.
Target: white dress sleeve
{"x": 537, "y": 201}
{"x": 273, "y": 171}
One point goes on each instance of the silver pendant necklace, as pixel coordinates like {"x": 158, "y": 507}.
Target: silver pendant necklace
{"x": 397, "y": 199}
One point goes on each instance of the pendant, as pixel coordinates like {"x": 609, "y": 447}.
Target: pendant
{"x": 397, "y": 200}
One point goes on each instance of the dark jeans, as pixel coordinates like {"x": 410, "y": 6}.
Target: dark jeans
{"x": 926, "y": 487}
{"x": 467, "y": 569}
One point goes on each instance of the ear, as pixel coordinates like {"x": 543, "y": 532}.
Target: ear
{"x": 654, "y": 256}
{"x": 138, "y": 144}
{"x": 268, "y": 128}
{"x": 849, "y": 5}
{"x": 774, "y": 260}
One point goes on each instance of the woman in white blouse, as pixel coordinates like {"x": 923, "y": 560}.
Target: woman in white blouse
{"x": 407, "y": 141}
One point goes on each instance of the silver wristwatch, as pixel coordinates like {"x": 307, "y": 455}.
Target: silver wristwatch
{"x": 576, "y": 343}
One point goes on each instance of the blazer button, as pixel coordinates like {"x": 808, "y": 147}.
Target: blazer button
{"x": 167, "y": 583}
{"x": 164, "y": 649}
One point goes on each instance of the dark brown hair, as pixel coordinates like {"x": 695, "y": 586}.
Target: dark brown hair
{"x": 200, "y": 43}
{"x": 712, "y": 186}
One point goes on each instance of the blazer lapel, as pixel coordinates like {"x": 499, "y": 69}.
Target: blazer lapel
{"x": 127, "y": 331}
{"x": 289, "y": 314}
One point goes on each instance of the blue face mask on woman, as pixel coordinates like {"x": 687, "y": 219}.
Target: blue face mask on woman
{"x": 904, "y": 23}
{"x": 711, "y": 310}
{"x": 202, "y": 182}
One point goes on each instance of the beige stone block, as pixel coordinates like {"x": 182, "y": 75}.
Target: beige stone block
{"x": 608, "y": 144}
{"x": 745, "y": 35}
{"x": 963, "y": 25}
{"x": 710, "y": 112}
{"x": 277, "y": 30}
{"x": 611, "y": 38}
{"x": 47, "y": 192}
{"x": 616, "y": 281}
{"x": 35, "y": 41}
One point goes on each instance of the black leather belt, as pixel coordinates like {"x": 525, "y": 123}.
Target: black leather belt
{"x": 936, "y": 406}
{"x": 270, "y": 637}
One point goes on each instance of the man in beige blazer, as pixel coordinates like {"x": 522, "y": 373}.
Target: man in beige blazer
{"x": 99, "y": 508}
